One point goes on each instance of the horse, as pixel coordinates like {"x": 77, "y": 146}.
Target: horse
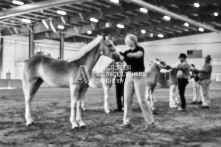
{"x": 60, "y": 73}
{"x": 105, "y": 80}
{"x": 173, "y": 81}
{"x": 163, "y": 79}
{"x": 154, "y": 78}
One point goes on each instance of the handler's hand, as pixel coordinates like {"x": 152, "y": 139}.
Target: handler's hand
{"x": 129, "y": 55}
{"x": 167, "y": 67}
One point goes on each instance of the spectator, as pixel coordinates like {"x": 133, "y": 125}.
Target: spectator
{"x": 119, "y": 82}
{"x": 196, "y": 87}
{"x": 182, "y": 76}
{"x": 204, "y": 76}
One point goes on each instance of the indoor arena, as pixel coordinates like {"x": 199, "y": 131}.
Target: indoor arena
{"x": 110, "y": 73}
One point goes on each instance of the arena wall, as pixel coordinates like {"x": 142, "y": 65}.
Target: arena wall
{"x": 15, "y": 51}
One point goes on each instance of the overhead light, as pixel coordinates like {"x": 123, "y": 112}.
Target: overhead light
{"x": 17, "y": 2}
{"x": 215, "y": 13}
{"x": 61, "y": 27}
{"x": 93, "y": 19}
{"x": 160, "y": 35}
{"x": 201, "y": 29}
{"x": 115, "y": 1}
{"x": 197, "y": 5}
{"x": 89, "y": 32}
{"x": 143, "y": 31}
{"x": 107, "y": 24}
{"x": 167, "y": 18}
{"x": 26, "y": 20}
{"x": 60, "y": 12}
{"x": 120, "y": 26}
{"x": 186, "y": 24}
{"x": 144, "y": 10}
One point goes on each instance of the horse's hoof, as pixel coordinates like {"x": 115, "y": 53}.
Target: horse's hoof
{"x": 84, "y": 109}
{"x": 74, "y": 128}
{"x": 83, "y": 127}
{"x": 155, "y": 113}
{"x": 107, "y": 111}
{"x": 75, "y": 125}
{"x": 31, "y": 123}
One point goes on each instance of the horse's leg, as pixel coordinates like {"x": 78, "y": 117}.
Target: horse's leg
{"x": 171, "y": 97}
{"x": 106, "y": 96}
{"x": 152, "y": 99}
{"x": 74, "y": 98}
{"x": 79, "y": 104}
{"x": 176, "y": 97}
{"x": 172, "y": 102}
{"x": 83, "y": 104}
{"x": 149, "y": 96}
{"x": 31, "y": 88}
{"x": 78, "y": 114}
{"x": 82, "y": 98}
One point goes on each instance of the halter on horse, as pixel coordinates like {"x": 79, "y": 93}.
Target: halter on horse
{"x": 163, "y": 80}
{"x": 60, "y": 73}
{"x": 154, "y": 79}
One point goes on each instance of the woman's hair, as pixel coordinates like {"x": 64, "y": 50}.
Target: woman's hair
{"x": 131, "y": 37}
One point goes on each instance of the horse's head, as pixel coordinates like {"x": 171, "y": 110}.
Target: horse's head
{"x": 161, "y": 63}
{"x": 106, "y": 46}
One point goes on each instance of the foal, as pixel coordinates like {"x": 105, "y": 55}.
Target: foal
{"x": 59, "y": 73}
{"x": 154, "y": 79}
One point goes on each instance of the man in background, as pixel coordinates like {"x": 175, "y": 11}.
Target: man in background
{"x": 196, "y": 87}
{"x": 119, "y": 83}
{"x": 205, "y": 76}
{"x": 183, "y": 76}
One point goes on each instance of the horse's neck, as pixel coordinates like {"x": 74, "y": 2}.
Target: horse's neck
{"x": 155, "y": 68}
{"x": 173, "y": 73}
{"x": 90, "y": 58}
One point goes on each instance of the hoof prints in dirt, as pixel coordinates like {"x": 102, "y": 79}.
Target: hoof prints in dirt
{"x": 193, "y": 128}
{"x": 4, "y": 98}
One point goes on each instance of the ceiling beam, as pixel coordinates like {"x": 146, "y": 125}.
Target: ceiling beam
{"x": 36, "y": 7}
{"x": 139, "y": 21}
{"x": 189, "y": 2}
{"x": 173, "y": 15}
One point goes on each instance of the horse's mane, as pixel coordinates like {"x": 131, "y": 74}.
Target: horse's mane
{"x": 86, "y": 49}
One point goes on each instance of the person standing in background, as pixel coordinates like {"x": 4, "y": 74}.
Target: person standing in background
{"x": 205, "y": 76}
{"x": 183, "y": 77}
{"x": 196, "y": 87}
{"x": 119, "y": 83}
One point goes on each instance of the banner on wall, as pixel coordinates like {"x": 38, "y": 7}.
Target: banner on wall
{"x": 195, "y": 53}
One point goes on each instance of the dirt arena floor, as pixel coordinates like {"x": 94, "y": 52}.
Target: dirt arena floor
{"x": 51, "y": 111}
